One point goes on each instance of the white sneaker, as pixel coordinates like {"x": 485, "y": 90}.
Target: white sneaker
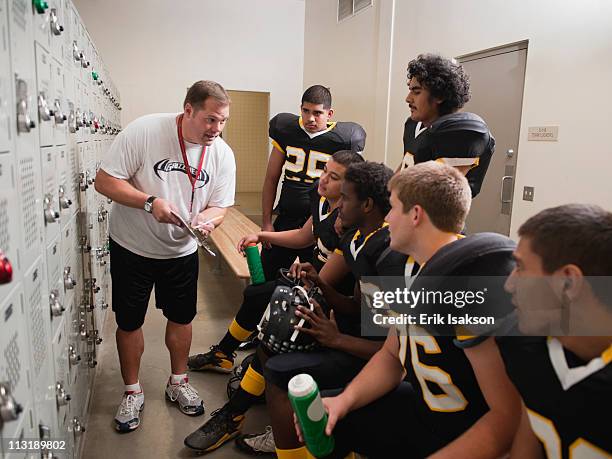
{"x": 129, "y": 411}
{"x": 257, "y": 444}
{"x": 187, "y": 398}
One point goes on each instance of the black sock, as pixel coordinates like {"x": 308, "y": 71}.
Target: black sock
{"x": 241, "y": 401}
{"x": 229, "y": 344}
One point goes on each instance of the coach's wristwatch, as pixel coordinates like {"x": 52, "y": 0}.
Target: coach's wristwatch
{"x": 149, "y": 204}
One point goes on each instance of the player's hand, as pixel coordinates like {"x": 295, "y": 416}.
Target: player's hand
{"x": 298, "y": 429}
{"x": 323, "y": 329}
{"x": 247, "y": 240}
{"x": 162, "y": 212}
{"x": 267, "y": 227}
{"x": 337, "y": 408}
{"x": 306, "y": 272}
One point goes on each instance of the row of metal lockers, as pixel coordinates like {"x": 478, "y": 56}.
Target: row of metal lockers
{"x": 59, "y": 112}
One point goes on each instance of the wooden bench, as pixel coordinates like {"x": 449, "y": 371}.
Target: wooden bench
{"x": 226, "y": 236}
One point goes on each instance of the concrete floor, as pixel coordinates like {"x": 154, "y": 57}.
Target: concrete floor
{"x": 163, "y": 426}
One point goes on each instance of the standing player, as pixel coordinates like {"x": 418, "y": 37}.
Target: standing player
{"x": 437, "y": 89}
{"x": 565, "y": 381}
{"x": 303, "y": 144}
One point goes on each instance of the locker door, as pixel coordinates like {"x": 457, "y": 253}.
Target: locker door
{"x": 15, "y": 362}
{"x": 57, "y": 29}
{"x": 44, "y": 97}
{"x": 38, "y": 302}
{"x": 41, "y": 22}
{"x": 50, "y": 194}
{"x": 60, "y": 114}
{"x": 9, "y": 220}
{"x": 6, "y": 78}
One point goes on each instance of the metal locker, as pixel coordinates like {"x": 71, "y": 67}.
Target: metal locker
{"x": 71, "y": 277}
{"x": 15, "y": 389}
{"x": 54, "y": 261}
{"x": 63, "y": 389}
{"x": 9, "y": 221}
{"x": 59, "y": 103}
{"x": 65, "y": 190}
{"x": 41, "y": 22}
{"x": 79, "y": 109}
{"x": 50, "y": 200}
{"x": 72, "y": 175}
{"x": 57, "y": 29}
{"x": 6, "y": 79}
{"x": 30, "y": 192}
{"x": 38, "y": 304}
{"x": 46, "y": 113}
{"x": 75, "y": 39}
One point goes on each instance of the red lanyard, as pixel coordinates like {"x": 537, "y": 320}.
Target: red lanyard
{"x": 192, "y": 179}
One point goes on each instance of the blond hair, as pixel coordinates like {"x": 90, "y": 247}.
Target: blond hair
{"x": 441, "y": 190}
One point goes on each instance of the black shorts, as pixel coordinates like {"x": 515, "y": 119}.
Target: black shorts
{"x": 330, "y": 368}
{"x": 391, "y": 426}
{"x": 133, "y": 276}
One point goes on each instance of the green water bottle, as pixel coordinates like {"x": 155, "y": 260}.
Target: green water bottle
{"x": 306, "y": 402}
{"x": 254, "y": 263}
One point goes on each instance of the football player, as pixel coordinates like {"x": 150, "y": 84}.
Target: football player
{"x": 302, "y": 144}
{"x": 456, "y": 400}
{"x": 437, "y": 89}
{"x": 565, "y": 381}
{"x": 365, "y": 249}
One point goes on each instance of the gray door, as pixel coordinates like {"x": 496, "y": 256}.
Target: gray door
{"x": 497, "y": 79}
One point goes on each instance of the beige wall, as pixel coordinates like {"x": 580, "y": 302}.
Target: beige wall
{"x": 156, "y": 48}
{"x": 567, "y": 81}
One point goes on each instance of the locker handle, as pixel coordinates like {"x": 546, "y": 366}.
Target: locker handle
{"x": 501, "y": 193}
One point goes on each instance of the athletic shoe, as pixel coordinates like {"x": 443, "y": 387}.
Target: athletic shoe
{"x": 187, "y": 398}
{"x": 222, "y": 426}
{"x": 215, "y": 360}
{"x": 258, "y": 444}
{"x": 129, "y": 411}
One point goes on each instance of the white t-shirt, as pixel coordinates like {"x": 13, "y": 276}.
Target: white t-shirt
{"x": 147, "y": 154}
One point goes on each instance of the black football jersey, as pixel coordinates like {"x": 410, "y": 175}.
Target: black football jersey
{"x": 306, "y": 155}
{"x": 362, "y": 253}
{"x": 568, "y": 400}
{"x": 457, "y": 139}
{"x": 437, "y": 366}
{"x": 323, "y": 220}
{"x": 412, "y": 132}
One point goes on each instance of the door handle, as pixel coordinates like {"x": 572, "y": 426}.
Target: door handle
{"x": 501, "y": 193}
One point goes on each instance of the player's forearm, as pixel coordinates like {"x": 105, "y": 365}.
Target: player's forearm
{"x": 119, "y": 190}
{"x": 341, "y": 303}
{"x": 267, "y": 200}
{"x": 292, "y": 239}
{"x": 381, "y": 375}
{"x": 489, "y": 438}
{"x": 359, "y": 347}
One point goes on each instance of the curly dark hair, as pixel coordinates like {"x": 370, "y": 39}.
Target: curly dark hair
{"x": 444, "y": 78}
{"x": 370, "y": 180}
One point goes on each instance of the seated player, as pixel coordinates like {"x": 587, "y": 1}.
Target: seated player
{"x": 456, "y": 400}
{"x": 344, "y": 353}
{"x": 318, "y": 230}
{"x": 437, "y": 89}
{"x": 565, "y": 381}
{"x": 365, "y": 250}
{"x": 302, "y": 144}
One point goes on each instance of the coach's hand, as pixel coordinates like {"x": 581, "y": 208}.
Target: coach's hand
{"x": 323, "y": 329}
{"x": 246, "y": 241}
{"x": 162, "y": 212}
